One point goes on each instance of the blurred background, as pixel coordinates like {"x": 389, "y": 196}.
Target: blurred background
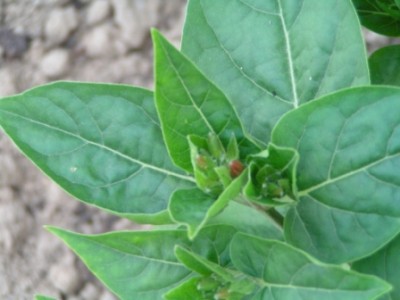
{"x": 86, "y": 40}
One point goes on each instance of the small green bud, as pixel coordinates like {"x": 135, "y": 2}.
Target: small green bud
{"x": 215, "y": 147}
{"x": 232, "y": 151}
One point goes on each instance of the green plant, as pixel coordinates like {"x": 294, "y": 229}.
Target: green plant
{"x": 381, "y": 16}
{"x": 264, "y": 150}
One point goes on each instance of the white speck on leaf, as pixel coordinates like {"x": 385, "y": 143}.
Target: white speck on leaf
{"x": 310, "y": 78}
{"x": 73, "y": 169}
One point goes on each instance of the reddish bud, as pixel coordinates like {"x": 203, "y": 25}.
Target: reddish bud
{"x": 235, "y": 168}
{"x": 201, "y": 162}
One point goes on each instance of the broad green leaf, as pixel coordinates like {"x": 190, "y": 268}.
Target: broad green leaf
{"x": 101, "y": 143}
{"x": 381, "y": 16}
{"x": 385, "y": 66}
{"x": 188, "y": 103}
{"x": 187, "y": 290}
{"x": 133, "y": 265}
{"x": 248, "y": 219}
{"x": 193, "y": 208}
{"x": 386, "y": 264}
{"x": 288, "y": 273}
{"x": 348, "y": 173}
{"x": 41, "y": 297}
{"x": 269, "y": 57}
{"x": 142, "y": 265}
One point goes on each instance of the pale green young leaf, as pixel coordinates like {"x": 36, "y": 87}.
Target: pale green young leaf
{"x": 285, "y": 273}
{"x": 41, "y": 297}
{"x": 101, "y": 143}
{"x": 269, "y": 57}
{"x": 189, "y": 103}
{"x": 187, "y": 290}
{"x": 348, "y": 173}
{"x": 236, "y": 283}
{"x": 248, "y": 219}
{"x": 385, "y": 264}
{"x": 193, "y": 207}
{"x": 201, "y": 265}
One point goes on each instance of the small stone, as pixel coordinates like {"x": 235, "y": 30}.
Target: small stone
{"x": 89, "y": 292}
{"x": 55, "y": 63}
{"x": 64, "y": 276}
{"x": 99, "y": 41}
{"x": 61, "y": 22}
{"x": 107, "y": 296}
{"x": 128, "y": 15}
{"x": 7, "y": 83}
{"x": 98, "y": 11}
{"x": 13, "y": 44}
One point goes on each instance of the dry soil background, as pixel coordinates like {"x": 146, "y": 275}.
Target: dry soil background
{"x": 42, "y": 41}
{"x": 46, "y": 40}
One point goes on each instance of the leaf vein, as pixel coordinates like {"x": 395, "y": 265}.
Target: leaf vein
{"x": 120, "y": 154}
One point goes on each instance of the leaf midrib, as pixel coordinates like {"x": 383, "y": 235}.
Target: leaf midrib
{"x": 124, "y": 156}
{"x": 343, "y": 176}
{"x": 289, "y": 56}
{"x": 181, "y": 80}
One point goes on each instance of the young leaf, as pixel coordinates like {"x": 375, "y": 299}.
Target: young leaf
{"x": 226, "y": 280}
{"x": 193, "y": 208}
{"x": 276, "y": 167}
{"x": 41, "y": 297}
{"x": 187, "y": 290}
{"x": 348, "y": 173}
{"x": 248, "y": 219}
{"x": 142, "y": 265}
{"x": 201, "y": 265}
{"x": 269, "y": 57}
{"x": 288, "y": 273}
{"x": 101, "y": 143}
{"x": 188, "y": 103}
{"x": 385, "y": 66}
{"x": 385, "y": 264}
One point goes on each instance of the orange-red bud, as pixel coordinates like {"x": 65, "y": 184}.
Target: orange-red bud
{"x": 235, "y": 168}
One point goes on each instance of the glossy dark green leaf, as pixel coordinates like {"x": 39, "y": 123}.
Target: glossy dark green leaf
{"x": 189, "y": 103}
{"x": 348, "y": 173}
{"x": 193, "y": 208}
{"x": 385, "y": 66}
{"x": 271, "y": 56}
{"x": 101, "y": 143}
{"x": 385, "y": 264}
{"x": 288, "y": 273}
{"x": 381, "y": 16}
{"x": 142, "y": 265}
